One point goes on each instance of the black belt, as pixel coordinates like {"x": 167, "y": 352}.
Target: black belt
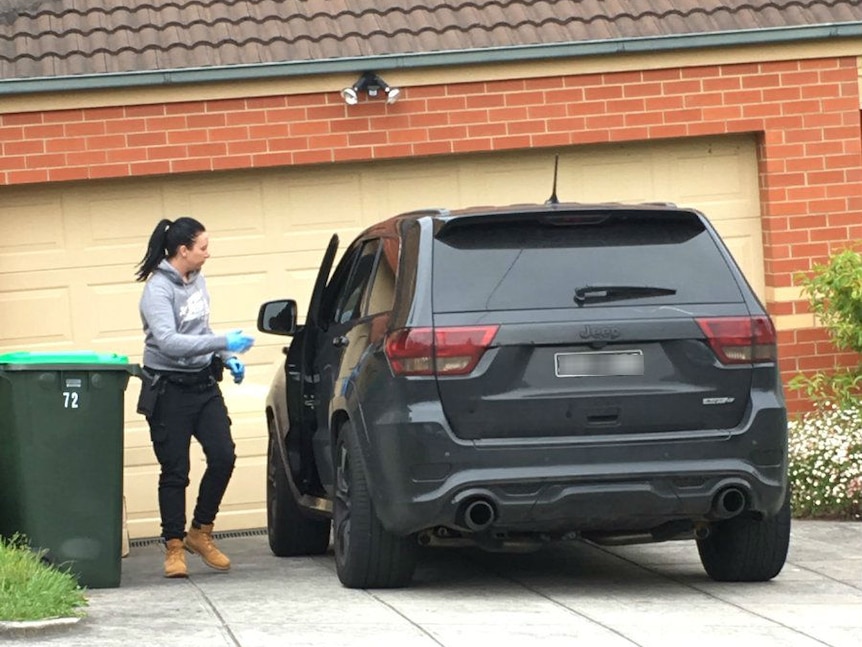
{"x": 201, "y": 379}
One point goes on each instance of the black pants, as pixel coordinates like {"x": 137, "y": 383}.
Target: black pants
{"x": 182, "y": 412}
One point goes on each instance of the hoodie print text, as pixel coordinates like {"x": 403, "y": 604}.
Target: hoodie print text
{"x": 196, "y": 307}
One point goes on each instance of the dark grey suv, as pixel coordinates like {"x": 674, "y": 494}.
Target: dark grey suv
{"x": 511, "y": 376}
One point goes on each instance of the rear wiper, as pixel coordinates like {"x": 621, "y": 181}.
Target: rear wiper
{"x": 618, "y": 292}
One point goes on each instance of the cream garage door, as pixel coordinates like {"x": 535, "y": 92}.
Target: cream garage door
{"x": 68, "y": 255}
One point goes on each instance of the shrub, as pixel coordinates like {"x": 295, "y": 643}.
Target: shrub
{"x": 825, "y": 451}
{"x": 834, "y": 292}
{"x": 30, "y": 589}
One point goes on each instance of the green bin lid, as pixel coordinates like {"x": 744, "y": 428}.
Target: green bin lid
{"x": 69, "y": 357}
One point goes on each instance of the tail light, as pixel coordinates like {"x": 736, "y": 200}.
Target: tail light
{"x": 437, "y": 351}
{"x": 740, "y": 340}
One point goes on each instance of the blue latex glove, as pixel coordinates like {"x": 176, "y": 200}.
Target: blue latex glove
{"x": 237, "y": 369}
{"x": 237, "y": 342}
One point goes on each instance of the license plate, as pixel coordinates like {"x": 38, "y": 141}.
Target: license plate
{"x": 599, "y": 363}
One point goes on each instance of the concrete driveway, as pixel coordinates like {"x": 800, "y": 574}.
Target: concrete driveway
{"x": 573, "y": 593}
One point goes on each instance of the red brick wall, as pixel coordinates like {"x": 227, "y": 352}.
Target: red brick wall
{"x": 805, "y": 113}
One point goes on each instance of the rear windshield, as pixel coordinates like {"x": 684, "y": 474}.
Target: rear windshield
{"x": 526, "y": 264}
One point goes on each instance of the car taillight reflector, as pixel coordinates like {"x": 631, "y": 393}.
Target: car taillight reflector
{"x": 442, "y": 351}
{"x": 740, "y": 340}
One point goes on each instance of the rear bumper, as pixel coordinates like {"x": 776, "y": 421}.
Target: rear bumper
{"x": 601, "y": 483}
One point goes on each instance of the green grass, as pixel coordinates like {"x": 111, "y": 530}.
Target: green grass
{"x": 33, "y": 590}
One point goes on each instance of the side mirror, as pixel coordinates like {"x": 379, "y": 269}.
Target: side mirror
{"x": 277, "y": 317}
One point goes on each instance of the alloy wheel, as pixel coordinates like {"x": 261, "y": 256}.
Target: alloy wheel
{"x": 342, "y": 502}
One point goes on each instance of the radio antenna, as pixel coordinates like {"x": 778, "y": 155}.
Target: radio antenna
{"x": 553, "y": 199}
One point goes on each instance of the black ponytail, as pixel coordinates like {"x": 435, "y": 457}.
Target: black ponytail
{"x": 165, "y": 240}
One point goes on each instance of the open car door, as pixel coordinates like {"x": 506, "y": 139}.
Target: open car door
{"x": 301, "y": 388}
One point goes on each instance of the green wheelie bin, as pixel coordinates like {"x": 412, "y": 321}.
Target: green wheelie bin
{"x": 61, "y": 458}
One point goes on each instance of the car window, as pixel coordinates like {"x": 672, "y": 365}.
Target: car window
{"x": 350, "y": 298}
{"x": 528, "y": 264}
{"x": 382, "y": 293}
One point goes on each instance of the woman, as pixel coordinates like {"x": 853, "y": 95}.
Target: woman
{"x": 180, "y": 396}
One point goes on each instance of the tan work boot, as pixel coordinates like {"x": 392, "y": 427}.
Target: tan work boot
{"x": 175, "y": 559}
{"x": 200, "y": 541}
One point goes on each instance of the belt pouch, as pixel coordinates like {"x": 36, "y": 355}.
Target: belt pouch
{"x": 149, "y": 393}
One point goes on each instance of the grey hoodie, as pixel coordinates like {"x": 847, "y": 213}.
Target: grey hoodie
{"x": 176, "y": 318}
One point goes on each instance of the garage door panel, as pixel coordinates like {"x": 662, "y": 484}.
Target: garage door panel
{"x": 70, "y": 251}
{"x": 232, "y": 211}
{"x": 112, "y": 217}
{"x": 243, "y": 499}
{"x": 138, "y": 452}
{"x": 243, "y": 517}
{"x": 249, "y": 489}
{"x": 140, "y": 491}
{"x": 741, "y": 248}
{"x": 136, "y": 440}
{"x": 315, "y": 201}
{"x": 114, "y": 309}
{"x": 615, "y": 173}
{"x": 140, "y": 485}
{"x": 233, "y": 204}
{"x": 140, "y": 478}
{"x": 632, "y": 181}
{"x": 244, "y": 407}
{"x": 110, "y": 322}
{"x": 234, "y": 296}
{"x": 33, "y": 232}
{"x": 720, "y": 177}
{"x": 744, "y": 239}
{"x": 35, "y": 317}
{"x": 109, "y": 225}
{"x": 296, "y": 284}
{"x": 528, "y": 179}
{"x": 244, "y": 404}
{"x": 398, "y": 189}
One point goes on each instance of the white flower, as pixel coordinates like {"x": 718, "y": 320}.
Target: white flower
{"x": 825, "y": 452}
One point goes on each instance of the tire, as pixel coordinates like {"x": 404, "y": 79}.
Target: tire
{"x": 290, "y": 531}
{"x": 746, "y": 549}
{"x": 367, "y": 556}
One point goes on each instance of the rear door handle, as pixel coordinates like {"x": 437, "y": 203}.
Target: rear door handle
{"x": 340, "y": 341}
